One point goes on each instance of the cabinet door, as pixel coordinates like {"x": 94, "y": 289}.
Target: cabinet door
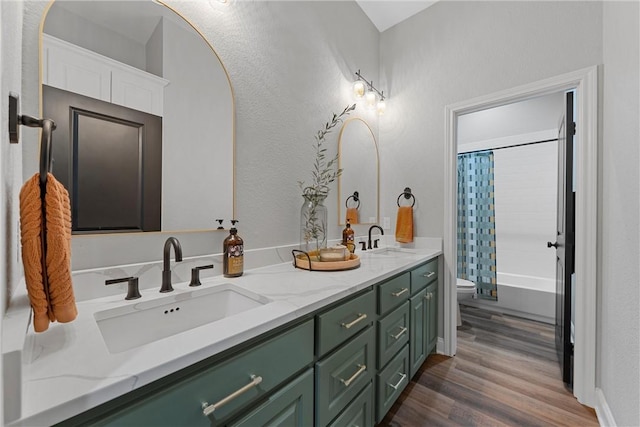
{"x": 391, "y": 381}
{"x": 419, "y": 328}
{"x": 291, "y": 406}
{"x": 432, "y": 317}
{"x": 359, "y": 413}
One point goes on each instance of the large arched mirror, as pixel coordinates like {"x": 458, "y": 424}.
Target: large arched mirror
{"x": 358, "y": 185}
{"x": 145, "y": 115}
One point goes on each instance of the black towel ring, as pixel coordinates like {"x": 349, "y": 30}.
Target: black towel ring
{"x": 407, "y": 195}
{"x": 355, "y": 197}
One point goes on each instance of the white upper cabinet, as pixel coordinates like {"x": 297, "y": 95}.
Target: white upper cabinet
{"x": 75, "y": 69}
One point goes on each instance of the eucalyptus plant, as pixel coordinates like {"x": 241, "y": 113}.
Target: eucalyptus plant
{"x": 324, "y": 172}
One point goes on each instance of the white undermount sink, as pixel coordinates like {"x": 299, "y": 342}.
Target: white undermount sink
{"x": 133, "y": 325}
{"x": 393, "y": 250}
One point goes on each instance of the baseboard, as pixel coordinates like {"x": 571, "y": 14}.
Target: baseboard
{"x": 605, "y": 417}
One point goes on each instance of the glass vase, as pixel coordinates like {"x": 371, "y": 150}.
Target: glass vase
{"x": 313, "y": 223}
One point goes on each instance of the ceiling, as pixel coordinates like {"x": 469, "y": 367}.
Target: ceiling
{"x": 386, "y": 13}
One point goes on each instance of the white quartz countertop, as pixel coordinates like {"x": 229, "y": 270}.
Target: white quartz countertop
{"x": 69, "y": 369}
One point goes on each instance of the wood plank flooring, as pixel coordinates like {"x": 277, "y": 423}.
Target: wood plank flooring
{"x": 505, "y": 373}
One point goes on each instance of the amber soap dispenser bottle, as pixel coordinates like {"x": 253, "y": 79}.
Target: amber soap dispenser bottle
{"x": 233, "y": 257}
{"x": 348, "y": 238}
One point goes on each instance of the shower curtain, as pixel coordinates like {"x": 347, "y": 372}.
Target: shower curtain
{"x": 476, "y": 223}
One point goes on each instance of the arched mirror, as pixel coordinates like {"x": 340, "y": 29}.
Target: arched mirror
{"x": 145, "y": 115}
{"x": 358, "y": 159}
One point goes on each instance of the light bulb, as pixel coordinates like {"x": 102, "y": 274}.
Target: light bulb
{"x": 382, "y": 106}
{"x": 358, "y": 89}
{"x": 370, "y": 100}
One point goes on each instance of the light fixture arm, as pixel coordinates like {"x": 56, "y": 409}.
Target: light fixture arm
{"x": 370, "y": 85}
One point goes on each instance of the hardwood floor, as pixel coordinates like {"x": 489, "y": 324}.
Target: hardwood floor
{"x": 505, "y": 373}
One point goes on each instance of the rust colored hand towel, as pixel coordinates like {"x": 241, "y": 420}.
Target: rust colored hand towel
{"x": 404, "y": 224}
{"x": 47, "y": 268}
{"x": 352, "y": 215}
{"x": 58, "y": 256}
{"x": 31, "y": 230}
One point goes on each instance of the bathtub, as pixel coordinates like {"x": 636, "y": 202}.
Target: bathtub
{"x": 523, "y": 296}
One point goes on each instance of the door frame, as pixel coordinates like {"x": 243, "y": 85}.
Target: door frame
{"x": 585, "y": 83}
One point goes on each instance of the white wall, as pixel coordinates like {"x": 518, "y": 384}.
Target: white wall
{"x": 619, "y": 335}
{"x": 457, "y": 50}
{"x": 10, "y": 158}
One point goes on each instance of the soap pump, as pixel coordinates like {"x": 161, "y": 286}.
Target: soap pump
{"x": 233, "y": 253}
{"x": 348, "y": 238}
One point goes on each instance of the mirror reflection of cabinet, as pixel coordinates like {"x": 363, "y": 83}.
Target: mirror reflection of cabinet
{"x": 358, "y": 159}
{"x": 145, "y": 41}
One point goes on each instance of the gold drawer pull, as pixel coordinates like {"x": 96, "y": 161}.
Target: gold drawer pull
{"x": 209, "y": 409}
{"x": 361, "y": 317}
{"x": 402, "y": 378}
{"x": 399, "y": 334}
{"x": 400, "y": 292}
{"x": 428, "y": 296}
{"x": 361, "y": 369}
{"x": 431, "y": 274}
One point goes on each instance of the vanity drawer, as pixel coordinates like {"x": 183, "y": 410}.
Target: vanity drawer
{"x": 359, "y": 413}
{"x": 393, "y": 292}
{"x": 274, "y": 360}
{"x": 344, "y": 321}
{"x": 341, "y": 376}
{"x": 423, "y": 275}
{"x": 393, "y": 333}
{"x": 291, "y": 406}
{"x": 391, "y": 381}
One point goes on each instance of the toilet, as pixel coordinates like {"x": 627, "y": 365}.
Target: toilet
{"x": 466, "y": 291}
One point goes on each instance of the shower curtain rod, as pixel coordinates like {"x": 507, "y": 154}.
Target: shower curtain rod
{"x": 510, "y": 146}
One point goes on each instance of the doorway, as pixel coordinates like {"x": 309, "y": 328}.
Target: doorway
{"x": 584, "y": 82}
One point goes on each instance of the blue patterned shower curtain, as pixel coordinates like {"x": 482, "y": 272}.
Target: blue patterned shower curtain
{"x": 476, "y": 222}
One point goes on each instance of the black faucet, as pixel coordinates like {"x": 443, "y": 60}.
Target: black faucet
{"x": 166, "y": 262}
{"x": 375, "y": 245}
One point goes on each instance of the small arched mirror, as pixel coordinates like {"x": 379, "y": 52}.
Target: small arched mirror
{"x": 145, "y": 117}
{"x": 358, "y": 185}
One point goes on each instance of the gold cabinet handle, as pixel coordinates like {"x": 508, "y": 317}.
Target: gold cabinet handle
{"x": 431, "y": 274}
{"x": 361, "y": 369}
{"x": 428, "y": 296}
{"x": 209, "y": 409}
{"x": 361, "y": 317}
{"x": 402, "y": 378}
{"x": 399, "y": 334}
{"x": 400, "y": 292}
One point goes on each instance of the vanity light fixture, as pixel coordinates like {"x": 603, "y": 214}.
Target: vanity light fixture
{"x": 373, "y": 98}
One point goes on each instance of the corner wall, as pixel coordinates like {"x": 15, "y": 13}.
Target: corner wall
{"x": 619, "y": 338}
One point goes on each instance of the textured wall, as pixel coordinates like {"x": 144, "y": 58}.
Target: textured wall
{"x": 455, "y": 51}
{"x": 619, "y": 356}
{"x": 291, "y": 66}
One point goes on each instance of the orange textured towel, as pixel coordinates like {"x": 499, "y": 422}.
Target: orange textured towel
{"x": 404, "y": 224}
{"x": 31, "y": 230}
{"x": 352, "y": 215}
{"x": 47, "y": 268}
{"x": 58, "y": 254}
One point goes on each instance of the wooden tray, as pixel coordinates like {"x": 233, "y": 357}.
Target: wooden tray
{"x": 311, "y": 261}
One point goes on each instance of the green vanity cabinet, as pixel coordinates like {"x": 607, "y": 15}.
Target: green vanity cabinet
{"x": 393, "y": 333}
{"x": 265, "y": 365}
{"x": 292, "y": 406}
{"x": 418, "y": 343}
{"x": 343, "y": 321}
{"x": 391, "y": 381}
{"x": 359, "y": 413}
{"x": 393, "y": 292}
{"x": 432, "y": 316}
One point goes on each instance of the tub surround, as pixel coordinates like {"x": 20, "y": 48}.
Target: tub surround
{"x": 68, "y": 369}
